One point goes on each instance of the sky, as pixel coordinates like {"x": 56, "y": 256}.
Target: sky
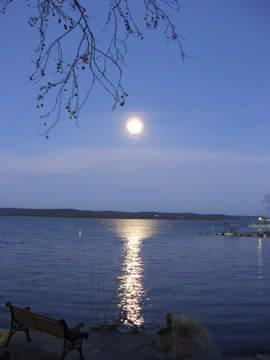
{"x": 205, "y": 148}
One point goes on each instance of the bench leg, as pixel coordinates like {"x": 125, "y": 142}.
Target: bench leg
{"x": 69, "y": 346}
{"x": 27, "y": 333}
{"x": 80, "y": 352}
{"x": 10, "y": 334}
{"x": 65, "y": 350}
{"x": 64, "y": 353}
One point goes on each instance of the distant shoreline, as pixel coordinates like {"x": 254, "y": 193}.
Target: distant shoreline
{"x": 74, "y": 213}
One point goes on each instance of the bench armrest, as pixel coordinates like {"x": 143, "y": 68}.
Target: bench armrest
{"x": 77, "y": 327}
{"x": 75, "y": 333}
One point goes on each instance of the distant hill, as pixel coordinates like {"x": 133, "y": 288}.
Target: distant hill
{"x": 74, "y": 213}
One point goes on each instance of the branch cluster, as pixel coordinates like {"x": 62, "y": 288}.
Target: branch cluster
{"x": 60, "y": 74}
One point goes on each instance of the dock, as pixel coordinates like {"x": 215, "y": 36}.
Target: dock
{"x": 257, "y": 234}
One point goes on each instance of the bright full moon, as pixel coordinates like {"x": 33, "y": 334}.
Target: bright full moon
{"x": 135, "y": 126}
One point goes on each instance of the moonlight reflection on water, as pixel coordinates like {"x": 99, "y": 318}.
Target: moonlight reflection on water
{"x": 131, "y": 288}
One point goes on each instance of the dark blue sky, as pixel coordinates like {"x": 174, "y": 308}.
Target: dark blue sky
{"x": 206, "y": 144}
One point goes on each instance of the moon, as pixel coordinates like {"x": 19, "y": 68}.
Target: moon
{"x": 135, "y": 126}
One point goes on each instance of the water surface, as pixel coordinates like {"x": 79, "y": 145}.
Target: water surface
{"x": 137, "y": 270}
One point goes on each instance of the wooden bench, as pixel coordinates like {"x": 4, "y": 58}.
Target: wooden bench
{"x": 23, "y": 319}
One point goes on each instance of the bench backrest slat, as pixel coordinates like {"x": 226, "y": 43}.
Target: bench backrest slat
{"x": 38, "y": 322}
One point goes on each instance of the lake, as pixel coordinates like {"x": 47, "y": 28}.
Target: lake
{"x": 96, "y": 270}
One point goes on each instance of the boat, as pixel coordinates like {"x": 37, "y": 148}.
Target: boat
{"x": 263, "y": 223}
{"x": 262, "y": 229}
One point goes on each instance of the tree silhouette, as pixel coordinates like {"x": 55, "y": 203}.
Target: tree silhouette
{"x": 59, "y": 67}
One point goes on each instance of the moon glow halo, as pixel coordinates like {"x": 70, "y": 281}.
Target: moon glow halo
{"x": 135, "y": 126}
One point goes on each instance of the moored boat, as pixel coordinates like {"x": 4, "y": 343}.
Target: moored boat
{"x": 262, "y": 223}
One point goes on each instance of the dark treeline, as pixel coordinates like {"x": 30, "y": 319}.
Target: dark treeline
{"x": 75, "y": 213}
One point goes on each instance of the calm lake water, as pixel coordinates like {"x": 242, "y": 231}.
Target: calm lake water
{"x": 93, "y": 270}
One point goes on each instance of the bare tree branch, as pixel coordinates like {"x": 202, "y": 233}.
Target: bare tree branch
{"x": 58, "y": 69}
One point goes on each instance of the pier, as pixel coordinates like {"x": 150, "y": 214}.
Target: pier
{"x": 258, "y": 234}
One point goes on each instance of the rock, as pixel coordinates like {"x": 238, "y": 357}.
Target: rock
{"x": 263, "y": 356}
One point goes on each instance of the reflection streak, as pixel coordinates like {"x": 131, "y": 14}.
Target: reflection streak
{"x": 131, "y": 290}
